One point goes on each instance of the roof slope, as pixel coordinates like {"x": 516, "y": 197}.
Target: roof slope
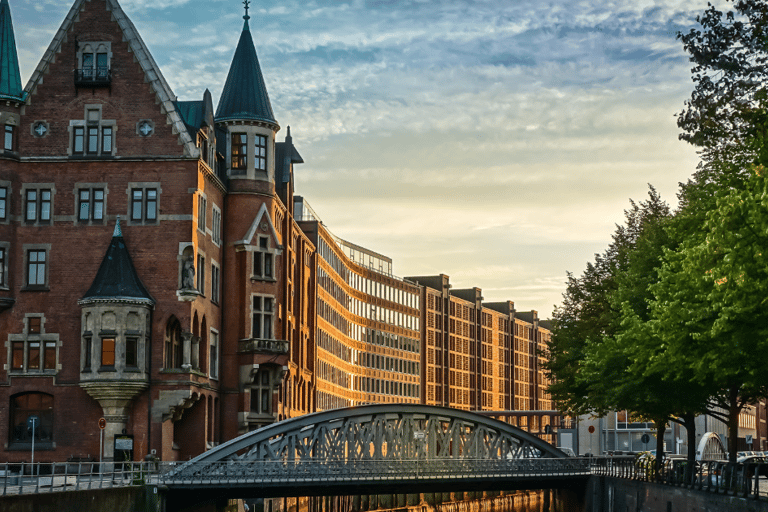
{"x": 10, "y": 78}
{"x": 117, "y": 279}
{"x": 163, "y": 93}
{"x": 245, "y": 94}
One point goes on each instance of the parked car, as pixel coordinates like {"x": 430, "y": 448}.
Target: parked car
{"x": 760, "y": 462}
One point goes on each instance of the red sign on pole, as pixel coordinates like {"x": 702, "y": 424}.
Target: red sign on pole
{"x": 591, "y": 429}
{"x": 102, "y": 423}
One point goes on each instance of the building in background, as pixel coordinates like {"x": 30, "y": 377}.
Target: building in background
{"x": 158, "y": 270}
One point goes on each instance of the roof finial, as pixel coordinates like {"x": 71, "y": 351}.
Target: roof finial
{"x": 246, "y": 3}
{"x": 118, "y": 232}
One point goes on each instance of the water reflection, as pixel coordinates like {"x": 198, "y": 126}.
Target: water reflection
{"x": 512, "y": 501}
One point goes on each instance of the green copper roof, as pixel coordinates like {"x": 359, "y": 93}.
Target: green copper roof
{"x": 10, "y": 78}
{"x": 245, "y": 95}
{"x": 117, "y": 279}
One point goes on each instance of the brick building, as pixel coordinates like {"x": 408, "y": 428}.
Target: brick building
{"x": 157, "y": 269}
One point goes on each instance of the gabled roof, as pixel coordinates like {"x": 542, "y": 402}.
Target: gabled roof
{"x": 117, "y": 279}
{"x": 163, "y": 93}
{"x": 10, "y": 78}
{"x": 245, "y": 95}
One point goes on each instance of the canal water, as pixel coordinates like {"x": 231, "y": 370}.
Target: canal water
{"x": 497, "y": 501}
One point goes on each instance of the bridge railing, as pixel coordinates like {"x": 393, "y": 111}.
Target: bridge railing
{"x": 45, "y": 477}
{"x": 749, "y": 480}
{"x": 271, "y": 471}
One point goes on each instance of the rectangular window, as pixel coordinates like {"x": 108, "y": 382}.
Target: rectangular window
{"x": 262, "y": 317}
{"x": 8, "y": 146}
{"x": 3, "y": 203}
{"x": 131, "y": 352}
{"x": 263, "y": 261}
{"x": 33, "y": 355}
{"x": 201, "y": 208}
{"x": 93, "y": 140}
{"x": 91, "y": 204}
{"x": 36, "y": 261}
{"x": 102, "y": 68}
{"x": 239, "y": 153}
{"x": 88, "y": 65}
{"x": 213, "y": 361}
{"x": 87, "y": 353}
{"x": 215, "y": 283}
{"x": 78, "y": 139}
{"x": 18, "y": 355}
{"x": 216, "y": 227}
{"x": 108, "y": 352}
{"x": 49, "y": 355}
{"x": 38, "y": 207}
{"x": 260, "y": 153}
{"x": 3, "y": 263}
{"x": 106, "y": 140}
{"x": 144, "y": 204}
{"x": 201, "y": 274}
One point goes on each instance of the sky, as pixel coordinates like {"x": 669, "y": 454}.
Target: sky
{"x": 498, "y": 142}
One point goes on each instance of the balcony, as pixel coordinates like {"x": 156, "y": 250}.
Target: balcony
{"x": 93, "y": 77}
{"x": 262, "y": 346}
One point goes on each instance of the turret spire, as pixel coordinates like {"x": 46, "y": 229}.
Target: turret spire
{"x": 245, "y": 95}
{"x": 10, "y": 78}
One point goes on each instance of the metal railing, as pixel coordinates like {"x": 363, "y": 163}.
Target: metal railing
{"x": 45, "y": 477}
{"x": 748, "y": 480}
{"x": 745, "y": 480}
{"x": 355, "y": 471}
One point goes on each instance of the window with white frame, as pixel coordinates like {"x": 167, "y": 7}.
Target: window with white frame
{"x": 90, "y": 204}
{"x": 263, "y": 312}
{"x": 263, "y": 260}
{"x": 38, "y": 204}
{"x": 144, "y": 204}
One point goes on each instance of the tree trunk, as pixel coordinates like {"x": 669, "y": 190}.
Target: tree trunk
{"x": 689, "y": 422}
{"x": 733, "y": 422}
{"x": 661, "y": 427}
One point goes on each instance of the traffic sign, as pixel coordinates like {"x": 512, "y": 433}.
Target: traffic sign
{"x": 32, "y": 422}
{"x": 645, "y": 438}
{"x": 591, "y": 429}
{"x": 102, "y": 423}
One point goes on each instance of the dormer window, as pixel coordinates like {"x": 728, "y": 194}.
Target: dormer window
{"x": 93, "y": 68}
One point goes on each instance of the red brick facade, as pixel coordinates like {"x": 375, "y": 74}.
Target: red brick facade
{"x": 253, "y": 315}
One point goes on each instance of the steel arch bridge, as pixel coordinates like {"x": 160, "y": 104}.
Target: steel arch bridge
{"x": 376, "y": 448}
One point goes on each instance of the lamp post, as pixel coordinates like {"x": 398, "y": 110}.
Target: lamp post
{"x": 32, "y": 423}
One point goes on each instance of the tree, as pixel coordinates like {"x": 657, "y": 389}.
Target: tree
{"x": 726, "y": 115}
{"x": 710, "y": 302}
{"x": 590, "y": 313}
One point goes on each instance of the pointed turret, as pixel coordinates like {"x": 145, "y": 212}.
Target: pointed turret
{"x": 245, "y": 95}
{"x": 117, "y": 278}
{"x": 10, "y": 78}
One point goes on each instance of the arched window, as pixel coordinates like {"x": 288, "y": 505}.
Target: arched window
{"x": 173, "y": 344}
{"x": 23, "y": 407}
